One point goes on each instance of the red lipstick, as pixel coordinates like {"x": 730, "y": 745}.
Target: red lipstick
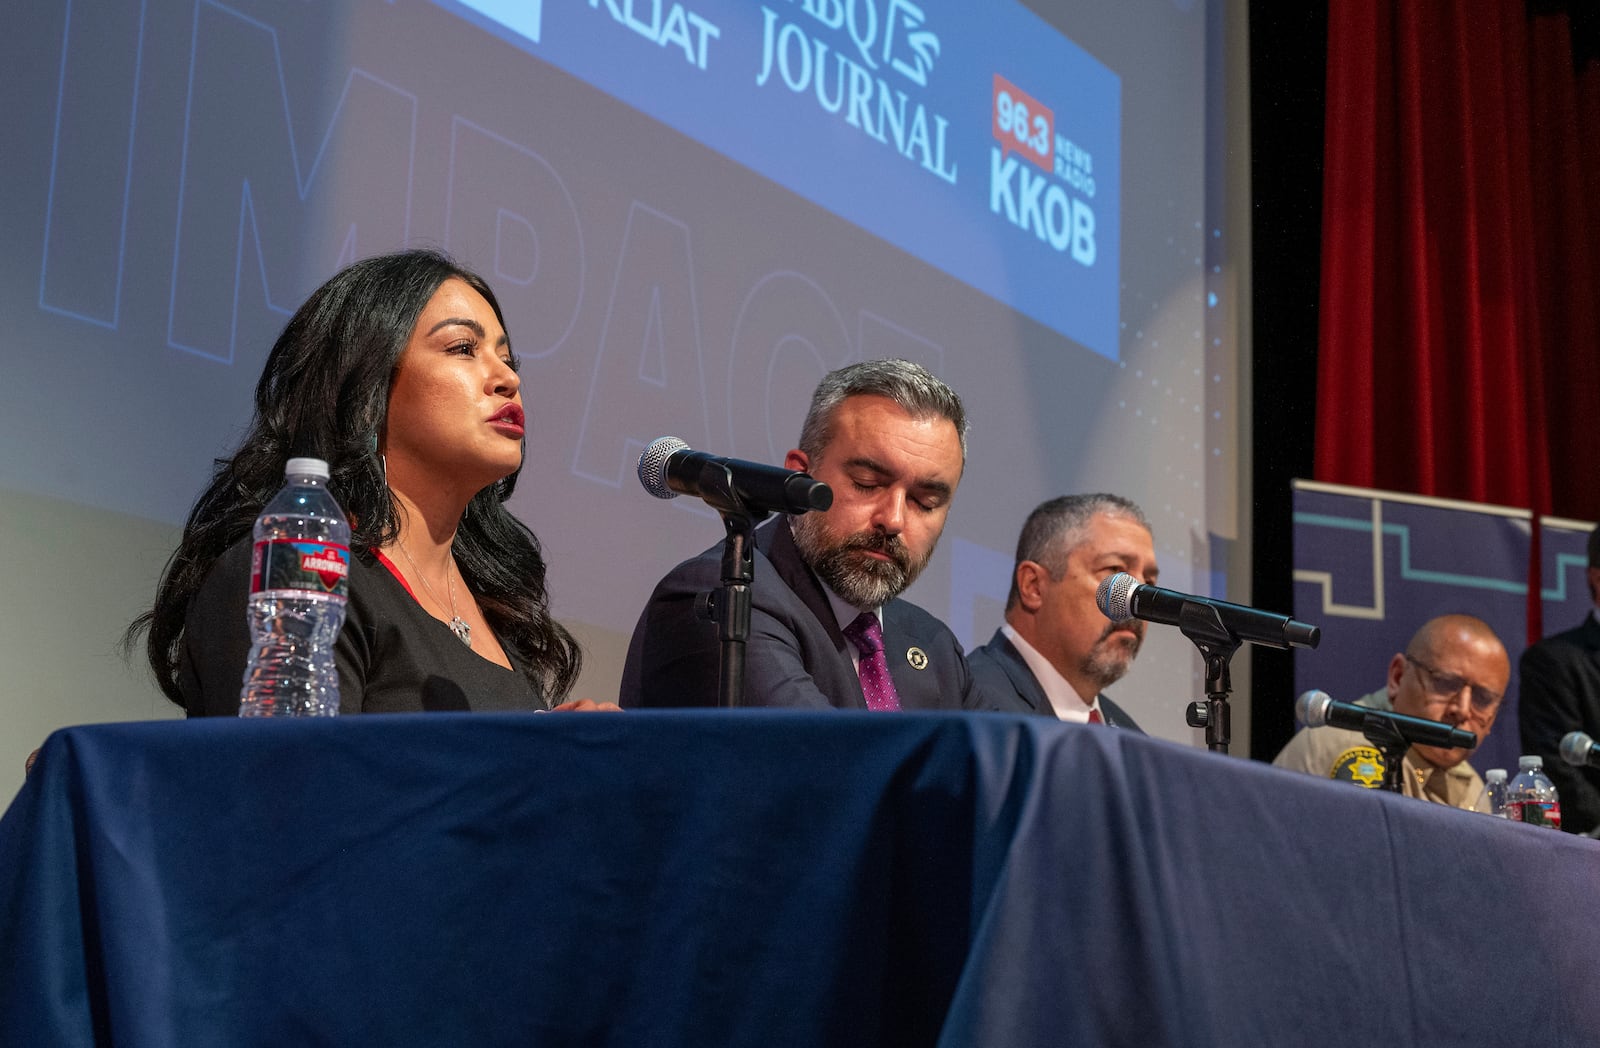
{"x": 508, "y": 420}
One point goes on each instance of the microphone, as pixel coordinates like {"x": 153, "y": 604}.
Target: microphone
{"x": 1577, "y": 748}
{"x": 1123, "y": 597}
{"x": 1317, "y": 708}
{"x": 668, "y": 468}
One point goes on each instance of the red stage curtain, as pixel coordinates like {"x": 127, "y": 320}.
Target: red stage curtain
{"x": 1459, "y": 349}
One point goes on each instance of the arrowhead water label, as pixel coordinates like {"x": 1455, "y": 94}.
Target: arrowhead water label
{"x": 316, "y": 567}
{"x": 1535, "y": 813}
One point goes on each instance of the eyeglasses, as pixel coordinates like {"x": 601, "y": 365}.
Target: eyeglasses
{"x": 1446, "y": 686}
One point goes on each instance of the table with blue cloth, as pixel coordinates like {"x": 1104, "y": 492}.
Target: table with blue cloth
{"x": 762, "y": 878}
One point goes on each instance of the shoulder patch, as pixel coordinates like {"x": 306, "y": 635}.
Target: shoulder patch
{"x": 1362, "y": 765}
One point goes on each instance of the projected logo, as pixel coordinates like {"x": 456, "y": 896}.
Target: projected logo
{"x": 1039, "y": 201}
{"x": 874, "y": 110}
{"x": 843, "y": 58}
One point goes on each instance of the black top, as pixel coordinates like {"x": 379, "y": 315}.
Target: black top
{"x": 1560, "y": 692}
{"x": 393, "y": 657}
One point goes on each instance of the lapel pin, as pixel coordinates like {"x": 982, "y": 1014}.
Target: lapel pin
{"x": 917, "y": 657}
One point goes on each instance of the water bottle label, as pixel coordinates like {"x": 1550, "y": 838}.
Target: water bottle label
{"x": 283, "y": 564}
{"x": 1535, "y": 813}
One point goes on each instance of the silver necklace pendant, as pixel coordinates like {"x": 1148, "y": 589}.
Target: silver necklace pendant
{"x": 457, "y": 624}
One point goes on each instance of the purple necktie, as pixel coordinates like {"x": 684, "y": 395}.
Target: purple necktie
{"x": 866, "y": 633}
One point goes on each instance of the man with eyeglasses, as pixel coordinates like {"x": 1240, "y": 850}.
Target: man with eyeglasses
{"x": 1454, "y": 670}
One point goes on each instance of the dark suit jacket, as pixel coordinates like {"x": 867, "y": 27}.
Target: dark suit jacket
{"x": 1559, "y": 683}
{"x": 1006, "y": 684}
{"x": 796, "y": 655}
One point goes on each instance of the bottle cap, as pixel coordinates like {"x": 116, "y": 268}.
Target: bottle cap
{"x": 1530, "y": 760}
{"x": 1495, "y": 775}
{"x": 302, "y": 467}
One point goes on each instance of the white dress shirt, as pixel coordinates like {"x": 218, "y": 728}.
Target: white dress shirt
{"x": 1064, "y": 698}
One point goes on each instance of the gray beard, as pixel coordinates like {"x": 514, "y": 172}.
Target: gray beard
{"x": 862, "y": 582}
{"x": 1105, "y": 667}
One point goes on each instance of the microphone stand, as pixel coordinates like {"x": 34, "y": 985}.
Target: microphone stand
{"x": 729, "y": 605}
{"x": 1202, "y": 624}
{"x": 1382, "y": 733}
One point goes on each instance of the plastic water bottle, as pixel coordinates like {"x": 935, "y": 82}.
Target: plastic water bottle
{"x": 1531, "y": 797}
{"x": 1494, "y": 792}
{"x": 299, "y": 581}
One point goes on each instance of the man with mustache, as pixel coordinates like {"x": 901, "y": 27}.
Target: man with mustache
{"x": 1056, "y": 651}
{"x": 827, "y": 628}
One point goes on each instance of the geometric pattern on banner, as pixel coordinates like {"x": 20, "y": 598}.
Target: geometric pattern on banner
{"x": 1370, "y": 567}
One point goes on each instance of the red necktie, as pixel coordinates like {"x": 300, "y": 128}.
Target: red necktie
{"x": 866, "y": 633}
{"x": 1094, "y": 715}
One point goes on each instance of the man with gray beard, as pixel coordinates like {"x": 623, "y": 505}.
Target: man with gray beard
{"x": 827, "y": 627}
{"x": 1056, "y": 651}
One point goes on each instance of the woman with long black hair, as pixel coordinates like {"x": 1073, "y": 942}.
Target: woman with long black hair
{"x": 398, "y": 371}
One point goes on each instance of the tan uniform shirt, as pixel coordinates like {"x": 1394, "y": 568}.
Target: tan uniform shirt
{"x": 1348, "y": 756}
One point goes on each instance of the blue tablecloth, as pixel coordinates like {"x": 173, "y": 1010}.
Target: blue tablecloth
{"x": 762, "y": 878}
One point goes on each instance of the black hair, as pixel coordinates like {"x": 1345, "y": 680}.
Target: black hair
{"x": 325, "y": 392}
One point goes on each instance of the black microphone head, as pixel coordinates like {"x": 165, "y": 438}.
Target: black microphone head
{"x": 653, "y": 465}
{"x": 1311, "y": 708}
{"x": 1115, "y": 596}
{"x": 1575, "y": 746}
{"x": 1301, "y": 634}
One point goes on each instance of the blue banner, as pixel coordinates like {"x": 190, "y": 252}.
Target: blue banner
{"x": 975, "y": 137}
